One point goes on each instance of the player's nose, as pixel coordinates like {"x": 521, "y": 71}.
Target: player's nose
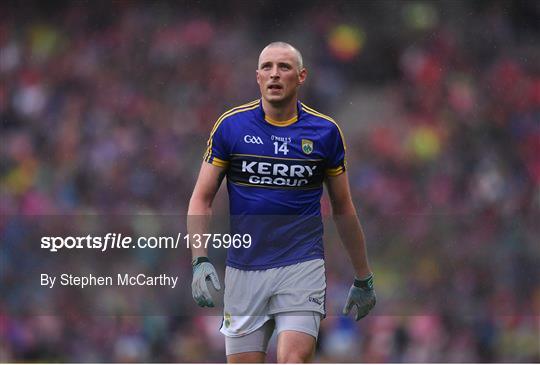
{"x": 275, "y": 72}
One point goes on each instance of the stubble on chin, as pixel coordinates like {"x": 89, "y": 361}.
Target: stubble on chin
{"x": 279, "y": 101}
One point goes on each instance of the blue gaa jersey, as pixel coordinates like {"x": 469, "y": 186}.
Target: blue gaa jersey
{"x": 275, "y": 173}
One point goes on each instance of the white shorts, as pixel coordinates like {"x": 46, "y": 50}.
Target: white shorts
{"x": 254, "y": 297}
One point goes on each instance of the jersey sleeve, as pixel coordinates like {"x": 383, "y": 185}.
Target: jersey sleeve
{"x": 336, "y": 153}
{"x": 217, "y": 147}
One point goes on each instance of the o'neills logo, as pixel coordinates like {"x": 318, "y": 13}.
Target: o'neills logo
{"x": 276, "y": 173}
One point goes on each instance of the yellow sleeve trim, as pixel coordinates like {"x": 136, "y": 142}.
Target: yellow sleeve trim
{"x": 216, "y": 162}
{"x": 335, "y": 172}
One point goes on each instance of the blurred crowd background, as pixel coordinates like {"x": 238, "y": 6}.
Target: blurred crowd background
{"x": 105, "y": 107}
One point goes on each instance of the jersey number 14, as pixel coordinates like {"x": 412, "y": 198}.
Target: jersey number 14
{"x": 280, "y": 148}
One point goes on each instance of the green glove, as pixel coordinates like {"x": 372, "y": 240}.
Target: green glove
{"x": 203, "y": 271}
{"x": 362, "y": 296}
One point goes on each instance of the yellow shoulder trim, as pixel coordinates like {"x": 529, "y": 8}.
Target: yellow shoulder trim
{"x": 318, "y": 114}
{"x": 251, "y": 105}
{"x": 226, "y": 114}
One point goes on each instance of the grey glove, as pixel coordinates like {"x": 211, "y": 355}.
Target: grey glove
{"x": 203, "y": 271}
{"x": 362, "y": 296}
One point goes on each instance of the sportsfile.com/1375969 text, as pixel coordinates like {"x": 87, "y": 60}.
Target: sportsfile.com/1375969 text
{"x": 121, "y": 241}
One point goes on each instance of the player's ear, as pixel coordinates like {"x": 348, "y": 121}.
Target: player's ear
{"x": 258, "y": 77}
{"x": 302, "y": 75}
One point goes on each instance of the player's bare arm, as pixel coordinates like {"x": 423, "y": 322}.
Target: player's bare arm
{"x": 200, "y": 204}
{"x": 348, "y": 225}
{"x": 361, "y": 295}
{"x": 199, "y": 213}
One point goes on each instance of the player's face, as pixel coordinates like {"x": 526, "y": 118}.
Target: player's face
{"x": 278, "y": 75}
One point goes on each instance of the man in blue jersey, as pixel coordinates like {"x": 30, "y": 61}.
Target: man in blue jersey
{"x": 276, "y": 153}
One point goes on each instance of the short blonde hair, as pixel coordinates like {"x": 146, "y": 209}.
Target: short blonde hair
{"x": 286, "y": 45}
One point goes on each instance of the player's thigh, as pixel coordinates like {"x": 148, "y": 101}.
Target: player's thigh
{"x": 247, "y": 357}
{"x": 295, "y": 347}
{"x": 251, "y": 347}
{"x": 297, "y": 336}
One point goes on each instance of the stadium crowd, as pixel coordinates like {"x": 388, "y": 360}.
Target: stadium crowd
{"x": 106, "y": 107}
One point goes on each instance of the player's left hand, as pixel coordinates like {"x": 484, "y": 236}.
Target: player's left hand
{"x": 203, "y": 271}
{"x": 362, "y": 296}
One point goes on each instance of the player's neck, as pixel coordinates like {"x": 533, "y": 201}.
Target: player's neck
{"x": 281, "y": 112}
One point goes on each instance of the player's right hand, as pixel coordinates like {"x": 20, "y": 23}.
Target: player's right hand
{"x": 362, "y": 296}
{"x": 203, "y": 271}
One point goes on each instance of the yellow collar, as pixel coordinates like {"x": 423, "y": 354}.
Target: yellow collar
{"x": 283, "y": 123}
